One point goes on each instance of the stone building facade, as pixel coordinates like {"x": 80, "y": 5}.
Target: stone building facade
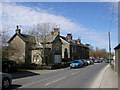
{"x": 117, "y": 54}
{"x": 73, "y": 49}
{"x": 117, "y": 62}
{"x": 26, "y": 49}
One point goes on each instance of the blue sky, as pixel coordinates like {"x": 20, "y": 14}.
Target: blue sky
{"x": 88, "y": 20}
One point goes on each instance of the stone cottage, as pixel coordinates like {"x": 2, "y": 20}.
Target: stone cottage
{"x": 26, "y": 49}
{"x": 44, "y": 50}
{"x": 73, "y": 49}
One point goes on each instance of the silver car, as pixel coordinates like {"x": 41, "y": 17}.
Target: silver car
{"x": 6, "y": 80}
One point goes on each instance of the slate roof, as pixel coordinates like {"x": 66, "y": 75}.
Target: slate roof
{"x": 25, "y": 38}
{"x": 48, "y": 38}
{"x": 40, "y": 39}
{"x": 28, "y": 38}
{"x": 32, "y": 39}
{"x": 72, "y": 42}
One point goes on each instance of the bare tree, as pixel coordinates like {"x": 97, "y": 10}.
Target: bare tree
{"x": 41, "y": 31}
{"x": 4, "y": 36}
{"x": 98, "y": 52}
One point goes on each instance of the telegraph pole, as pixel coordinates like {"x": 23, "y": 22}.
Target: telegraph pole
{"x": 109, "y": 47}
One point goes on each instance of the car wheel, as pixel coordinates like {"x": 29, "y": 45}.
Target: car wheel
{"x": 82, "y": 65}
{"x": 6, "y": 83}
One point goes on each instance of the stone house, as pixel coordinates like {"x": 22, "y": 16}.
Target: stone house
{"x": 73, "y": 49}
{"x": 26, "y": 49}
{"x": 50, "y": 49}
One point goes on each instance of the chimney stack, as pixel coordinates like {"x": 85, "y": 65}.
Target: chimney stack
{"x": 18, "y": 31}
{"x": 78, "y": 40}
{"x": 56, "y": 31}
{"x": 69, "y": 36}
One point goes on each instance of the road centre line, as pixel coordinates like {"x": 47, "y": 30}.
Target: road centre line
{"x": 54, "y": 81}
{"x": 44, "y": 79}
{"x": 74, "y": 73}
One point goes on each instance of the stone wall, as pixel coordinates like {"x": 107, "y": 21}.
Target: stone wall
{"x": 65, "y": 49}
{"x": 17, "y": 50}
{"x": 116, "y": 60}
{"x": 119, "y": 67}
{"x": 56, "y": 49}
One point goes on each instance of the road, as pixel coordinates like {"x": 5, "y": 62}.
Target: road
{"x": 63, "y": 78}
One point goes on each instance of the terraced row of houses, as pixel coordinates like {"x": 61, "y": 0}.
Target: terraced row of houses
{"x": 28, "y": 49}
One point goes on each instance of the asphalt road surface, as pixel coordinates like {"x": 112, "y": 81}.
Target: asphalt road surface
{"x": 63, "y": 78}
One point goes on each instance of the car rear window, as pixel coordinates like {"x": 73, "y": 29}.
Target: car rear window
{"x": 76, "y": 62}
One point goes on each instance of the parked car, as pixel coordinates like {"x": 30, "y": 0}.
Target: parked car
{"x": 91, "y": 61}
{"x": 6, "y": 80}
{"x": 88, "y": 61}
{"x": 107, "y": 60}
{"x": 85, "y": 63}
{"x": 101, "y": 60}
{"x": 97, "y": 61}
{"x": 76, "y": 64}
{"x": 9, "y": 66}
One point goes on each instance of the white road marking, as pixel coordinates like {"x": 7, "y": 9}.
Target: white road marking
{"x": 41, "y": 80}
{"x": 54, "y": 81}
{"x": 74, "y": 73}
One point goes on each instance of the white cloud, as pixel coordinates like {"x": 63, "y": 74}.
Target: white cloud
{"x": 14, "y": 14}
{"x": 61, "y": 0}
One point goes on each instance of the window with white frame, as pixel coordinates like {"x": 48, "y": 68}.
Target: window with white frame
{"x": 36, "y": 58}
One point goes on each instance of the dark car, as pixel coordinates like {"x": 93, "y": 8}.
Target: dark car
{"x": 6, "y": 80}
{"x": 9, "y": 66}
{"x": 85, "y": 63}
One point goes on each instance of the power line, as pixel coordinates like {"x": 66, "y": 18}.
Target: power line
{"x": 111, "y": 17}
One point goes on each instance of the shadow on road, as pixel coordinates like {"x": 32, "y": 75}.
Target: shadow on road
{"x": 22, "y": 74}
{"x": 15, "y": 86}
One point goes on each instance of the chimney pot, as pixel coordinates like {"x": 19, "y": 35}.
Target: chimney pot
{"x": 18, "y": 31}
{"x": 55, "y": 32}
{"x": 69, "y": 36}
{"x": 79, "y": 40}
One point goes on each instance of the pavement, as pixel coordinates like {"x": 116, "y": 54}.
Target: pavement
{"x": 107, "y": 78}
